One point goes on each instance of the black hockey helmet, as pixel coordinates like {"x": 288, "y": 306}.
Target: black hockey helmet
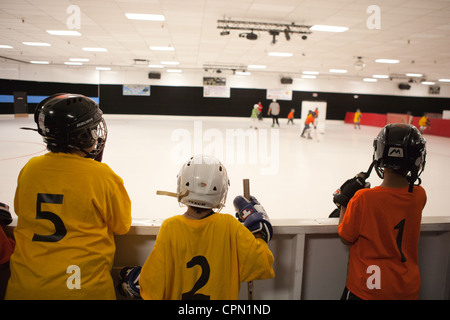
{"x": 400, "y": 147}
{"x": 70, "y": 122}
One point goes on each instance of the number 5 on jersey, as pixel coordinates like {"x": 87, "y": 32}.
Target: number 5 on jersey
{"x": 60, "y": 229}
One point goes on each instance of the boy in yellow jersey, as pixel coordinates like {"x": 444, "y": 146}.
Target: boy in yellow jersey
{"x": 69, "y": 206}
{"x": 203, "y": 254}
{"x": 424, "y": 122}
{"x": 357, "y": 119}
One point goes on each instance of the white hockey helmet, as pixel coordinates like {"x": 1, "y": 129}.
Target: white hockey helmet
{"x": 202, "y": 182}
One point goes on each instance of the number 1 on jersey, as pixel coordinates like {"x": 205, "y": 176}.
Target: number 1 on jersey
{"x": 400, "y": 226}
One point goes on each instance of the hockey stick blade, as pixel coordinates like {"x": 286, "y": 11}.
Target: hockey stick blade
{"x": 26, "y": 128}
{"x": 172, "y": 194}
{"x": 166, "y": 193}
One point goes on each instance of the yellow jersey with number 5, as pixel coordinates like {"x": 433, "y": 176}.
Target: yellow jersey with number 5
{"x": 204, "y": 259}
{"x": 68, "y": 209}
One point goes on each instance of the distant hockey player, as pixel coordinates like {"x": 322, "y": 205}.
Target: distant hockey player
{"x": 69, "y": 207}
{"x": 316, "y": 117}
{"x": 424, "y": 122}
{"x": 274, "y": 110}
{"x": 382, "y": 224}
{"x": 260, "y": 109}
{"x": 204, "y": 254}
{"x": 291, "y": 116}
{"x": 254, "y": 116}
{"x": 357, "y": 119}
{"x": 309, "y": 123}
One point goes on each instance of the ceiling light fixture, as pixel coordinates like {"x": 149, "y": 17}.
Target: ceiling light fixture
{"x": 280, "y": 54}
{"x": 444, "y": 80}
{"x": 274, "y": 34}
{"x": 308, "y": 76}
{"x": 274, "y": 29}
{"x": 40, "y": 62}
{"x": 287, "y": 33}
{"x": 311, "y": 72}
{"x": 325, "y": 28}
{"x": 430, "y": 83}
{"x": 37, "y": 44}
{"x": 338, "y": 70}
{"x": 414, "y": 75}
{"x": 4, "y": 46}
{"x": 156, "y": 66}
{"x": 72, "y": 63}
{"x": 103, "y": 68}
{"x": 79, "y": 59}
{"x": 256, "y": 66}
{"x": 219, "y": 68}
{"x": 146, "y": 17}
{"x": 387, "y": 61}
{"x": 370, "y": 80}
{"x": 249, "y": 35}
{"x": 64, "y": 33}
{"x": 380, "y": 76}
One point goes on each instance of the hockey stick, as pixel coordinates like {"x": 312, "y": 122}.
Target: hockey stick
{"x": 172, "y": 194}
{"x": 246, "y": 184}
{"x": 166, "y": 193}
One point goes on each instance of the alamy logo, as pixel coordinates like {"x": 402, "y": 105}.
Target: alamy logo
{"x": 395, "y": 152}
{"x": 232, "y": 146}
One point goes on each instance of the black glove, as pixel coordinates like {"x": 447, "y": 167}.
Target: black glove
{"x": 342, "y": 196}
{"x": 5, "y": 215}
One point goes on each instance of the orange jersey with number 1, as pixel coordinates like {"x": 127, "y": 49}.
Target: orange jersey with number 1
{"x": 383, "y": 225}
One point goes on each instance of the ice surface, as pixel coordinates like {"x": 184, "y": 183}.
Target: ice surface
{"x": 293, "y": 177}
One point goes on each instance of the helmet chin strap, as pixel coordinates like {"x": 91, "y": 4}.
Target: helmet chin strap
{"x": 412, "y": 179}
{"x": 81, "y": 150}
{"x": 369, "y": 170}
{"x": 87, "y": 154}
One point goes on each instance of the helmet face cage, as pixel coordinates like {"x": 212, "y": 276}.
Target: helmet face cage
{"x": 70, "y": 122}
{"x": 86, "y": 137}
{"x": 400, "y": 147}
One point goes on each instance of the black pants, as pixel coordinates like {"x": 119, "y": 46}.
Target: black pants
{"x": 304, "y": 129}
{"x": 348, "y": 295}
{"x": 275, "y": 119}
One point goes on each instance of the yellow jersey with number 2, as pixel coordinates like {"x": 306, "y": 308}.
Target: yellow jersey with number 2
{"x": 68, "y": 209}
{"x": 203, "y": 259}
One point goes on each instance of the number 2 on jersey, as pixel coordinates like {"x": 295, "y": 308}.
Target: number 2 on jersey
{"x": 202, "y": 280}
